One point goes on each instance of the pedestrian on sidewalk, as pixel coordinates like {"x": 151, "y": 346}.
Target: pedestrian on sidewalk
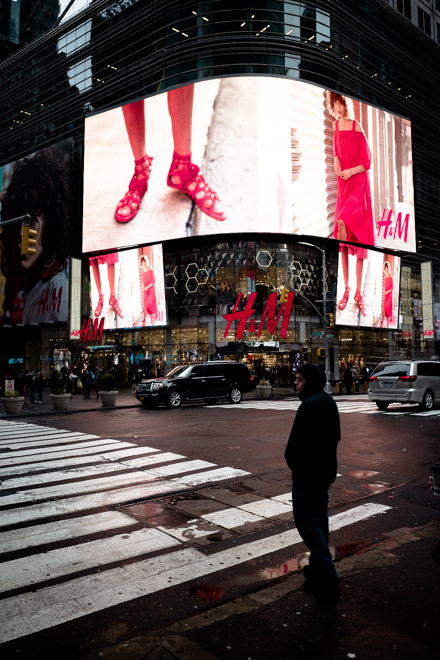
{"x": 311, "y": 455}
{"x": 40, "y": 386}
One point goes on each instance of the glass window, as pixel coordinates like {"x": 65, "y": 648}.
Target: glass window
{"x": 392, "y": 369}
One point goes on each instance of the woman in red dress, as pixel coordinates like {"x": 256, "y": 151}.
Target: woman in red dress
{"x": 353, "y": 214}
{"x": 110, "y": 259}
{"x": 148, "y": 282}
{"x": 388, "y": 286}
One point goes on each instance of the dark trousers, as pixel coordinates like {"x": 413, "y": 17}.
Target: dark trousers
{"x": 311, "y": 519}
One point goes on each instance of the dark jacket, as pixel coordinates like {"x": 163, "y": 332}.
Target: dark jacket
{"x": 313, "y": 440}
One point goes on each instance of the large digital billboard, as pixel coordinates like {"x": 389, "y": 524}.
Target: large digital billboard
{"x": 34, "y": 250}
{"x": 368, "y": 288}
{"x": 247, "y": 154}
{"x": 128, "y": 288}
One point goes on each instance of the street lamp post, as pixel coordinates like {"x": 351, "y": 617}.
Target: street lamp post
{"x": 324, "y": 311}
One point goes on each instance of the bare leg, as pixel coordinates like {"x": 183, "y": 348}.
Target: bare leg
{"x": 134, "y": 117}
{"x": 358, "y": 295}
{"x": 180, "y": 107}
{"x": 97, "y": 275}
{"x": 345, "y": 272}
{"x": 111, "y": 279}
{"x": 359, "y": 270}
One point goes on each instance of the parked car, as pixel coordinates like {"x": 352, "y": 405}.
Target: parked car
{"x": 405, "y": 381}
{"x": 193, "y": 382}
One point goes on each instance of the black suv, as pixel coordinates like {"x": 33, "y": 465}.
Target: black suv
{"x": 192, "y": 382}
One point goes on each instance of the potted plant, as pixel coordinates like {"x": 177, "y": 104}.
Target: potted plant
{"x": 60, "y": 400}
{"x": 107, "y": 393}
{"x": 13, "y": 402}
{"x": 264, "y": 389}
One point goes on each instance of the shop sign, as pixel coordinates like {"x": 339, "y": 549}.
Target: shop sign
{"x": 91, "y": 332}
{"x": 269, "y": 312}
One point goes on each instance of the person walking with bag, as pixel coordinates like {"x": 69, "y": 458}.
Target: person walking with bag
{"x": 311, "y": 455}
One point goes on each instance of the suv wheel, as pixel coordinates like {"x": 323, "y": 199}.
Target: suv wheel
{"x": 427, "y": 401}
{"x": 174, "y": 399}
{"x": 234, "y": 395}
{"x": 382, "y": 405}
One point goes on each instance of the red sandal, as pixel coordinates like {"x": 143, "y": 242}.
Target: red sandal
{"x": 201, "y": 193}
{"x": 114, "y": 303}
{"x": 98, "y": 308}
{"x": 360, "y": 302}
{"x": 344, "y": 300}
{"x": 136, "y": 190}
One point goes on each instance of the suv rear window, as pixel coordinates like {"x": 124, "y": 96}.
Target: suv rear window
{"x": 392, "y": 369}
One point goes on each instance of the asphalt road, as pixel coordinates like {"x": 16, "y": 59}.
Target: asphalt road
{"x": 126, "y": 521}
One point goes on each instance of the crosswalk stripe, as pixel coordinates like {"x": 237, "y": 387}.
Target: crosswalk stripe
{"x": 56, "y": 563}
{"x": 29, "y": 613}
{"x": 62, "y": 451}
{"x": 46, "y": 461}
{"x": 29, "y": 537}
{"x": 364, "y": 407}
{"x": 48, "y": 442}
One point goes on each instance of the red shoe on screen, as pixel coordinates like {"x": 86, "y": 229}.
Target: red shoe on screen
{"x": 185, "y": 176}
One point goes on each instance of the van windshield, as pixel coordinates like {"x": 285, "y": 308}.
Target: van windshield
{"x": 392, "y": 369}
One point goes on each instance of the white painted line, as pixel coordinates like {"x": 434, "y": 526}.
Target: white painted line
{"x": 46, "y": 566}
{"x": 43, "y": 442}
{"x": 29, "y": 537}
{"x": 32, "y": 612}
{"x": 180, "y": 468}
{"x": 267, "y": 508}
{"x": 355, "y": 515}
{"x": 164, "y": 457}
{"x": 44, "y": 453}
{"x": 111, "y": 497}
{"x": 94, "y": 470}
{"x": 220, "y": 474}
{"x": 65, "y": 475}
{"x": 47, "y": 461}
{"x": 286, "y": 498}
{"x": 231, "y": 518}
{"x": 75, "y": 488}
{"x": 33, "y": 436}
{"x": 137, "y": 451}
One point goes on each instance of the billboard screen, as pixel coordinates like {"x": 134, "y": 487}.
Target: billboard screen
{"x": 247, "y": 154}
{"x": 128, "y": 288}
{"x": 368, "y": 288}
{"x": 35, "y": 251}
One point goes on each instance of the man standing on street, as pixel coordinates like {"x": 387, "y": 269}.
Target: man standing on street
{"x": 311, "y": 455}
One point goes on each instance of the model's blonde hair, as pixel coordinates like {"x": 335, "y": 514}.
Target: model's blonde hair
{"x": 332, "y": 97}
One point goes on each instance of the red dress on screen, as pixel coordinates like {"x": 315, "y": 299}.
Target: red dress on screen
{"x": 150, "y": 304}
{"x": 353, "y": 203}
{"x": 388, "y": 298}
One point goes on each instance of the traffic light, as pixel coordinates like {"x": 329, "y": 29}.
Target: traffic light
{"x": 330, "y": 319}
{"x": 321, "y": 353}
{"x": 29, "y": 240}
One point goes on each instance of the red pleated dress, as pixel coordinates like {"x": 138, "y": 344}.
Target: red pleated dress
{"x": 353, "y": 203}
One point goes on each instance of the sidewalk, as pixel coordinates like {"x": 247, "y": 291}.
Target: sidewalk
{"x": 387, "y": 606}
{"x": 126, "y": 399}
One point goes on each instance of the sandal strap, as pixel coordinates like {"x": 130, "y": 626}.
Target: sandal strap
{"x": 189, "y": 174}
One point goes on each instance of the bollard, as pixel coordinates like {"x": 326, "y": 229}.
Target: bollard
{"x": 337, "y": 388}
{"x": 366, "y": 386}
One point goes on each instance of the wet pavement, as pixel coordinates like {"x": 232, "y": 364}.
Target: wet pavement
{"x": 387, "y": 606}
